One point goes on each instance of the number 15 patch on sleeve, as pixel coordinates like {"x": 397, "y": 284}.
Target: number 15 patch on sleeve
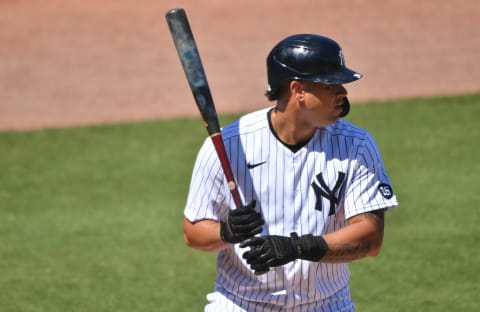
{"x": 386, "y": 190}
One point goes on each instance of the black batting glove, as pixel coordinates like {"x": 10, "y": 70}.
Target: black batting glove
{"x": 242, "y": 223}
{"x": 272, "y": 251}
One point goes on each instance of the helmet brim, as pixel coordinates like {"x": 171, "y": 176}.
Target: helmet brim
{"x": 340, "y": 76}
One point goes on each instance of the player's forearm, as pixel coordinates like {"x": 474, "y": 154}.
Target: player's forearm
{"x": 203, "y": 235}
{"x": 362, "y": 237}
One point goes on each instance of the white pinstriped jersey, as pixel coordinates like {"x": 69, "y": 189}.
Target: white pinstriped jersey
{"x": 337, "y": 174}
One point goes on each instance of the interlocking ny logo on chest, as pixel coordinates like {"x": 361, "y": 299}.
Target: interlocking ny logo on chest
{"x": 321, "y": 189}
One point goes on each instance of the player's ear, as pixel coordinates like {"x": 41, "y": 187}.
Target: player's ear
{"x": 297, "y": 89}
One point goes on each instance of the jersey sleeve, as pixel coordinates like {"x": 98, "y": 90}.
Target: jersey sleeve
{"x": 206, "y": 195}
{"x": 370, "y": 188}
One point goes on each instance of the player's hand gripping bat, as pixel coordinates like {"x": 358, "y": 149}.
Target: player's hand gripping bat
{"x": 193, "y": 68}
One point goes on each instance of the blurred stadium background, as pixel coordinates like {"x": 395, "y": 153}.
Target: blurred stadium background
{"x": 81, "y": 62}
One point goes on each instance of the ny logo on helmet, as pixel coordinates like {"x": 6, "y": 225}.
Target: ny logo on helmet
{"x": 342, "y": 59}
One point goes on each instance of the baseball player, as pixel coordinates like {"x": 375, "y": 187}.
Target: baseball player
{"x": 314, "y": 186}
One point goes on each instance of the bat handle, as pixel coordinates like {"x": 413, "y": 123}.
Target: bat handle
{"x": 222, "y": 155}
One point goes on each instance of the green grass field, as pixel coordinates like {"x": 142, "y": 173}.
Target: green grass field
{"x": 90, "y": 217}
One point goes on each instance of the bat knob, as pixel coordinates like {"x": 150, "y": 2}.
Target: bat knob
{"x": 175, "y": 11}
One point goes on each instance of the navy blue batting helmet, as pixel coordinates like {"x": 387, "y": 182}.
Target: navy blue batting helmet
{"x": 306, "y": 57}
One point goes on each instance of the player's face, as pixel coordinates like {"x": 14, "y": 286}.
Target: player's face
{"x": 323, "y": 103}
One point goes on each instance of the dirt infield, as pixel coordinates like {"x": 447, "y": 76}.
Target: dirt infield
{"x": 81, "y": 62}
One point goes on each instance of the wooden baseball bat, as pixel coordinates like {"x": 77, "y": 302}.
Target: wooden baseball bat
{"x": 192, "y": 66}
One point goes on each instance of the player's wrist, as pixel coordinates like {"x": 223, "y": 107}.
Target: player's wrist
{"x": 309, "y": 247}
{"x": 226, "y": 234}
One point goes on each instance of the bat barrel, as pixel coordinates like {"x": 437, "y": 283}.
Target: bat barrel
{"x": 192, "y": 65}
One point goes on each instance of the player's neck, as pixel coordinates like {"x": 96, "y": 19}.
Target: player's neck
{"x": 289, "y": 128}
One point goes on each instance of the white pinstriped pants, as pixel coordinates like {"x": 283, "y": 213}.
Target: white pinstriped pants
{"x": 220, "y": 303}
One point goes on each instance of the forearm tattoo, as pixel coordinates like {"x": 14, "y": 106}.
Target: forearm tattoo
{"x": 347, "y": 252}
{"x": 352, "y": 251}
